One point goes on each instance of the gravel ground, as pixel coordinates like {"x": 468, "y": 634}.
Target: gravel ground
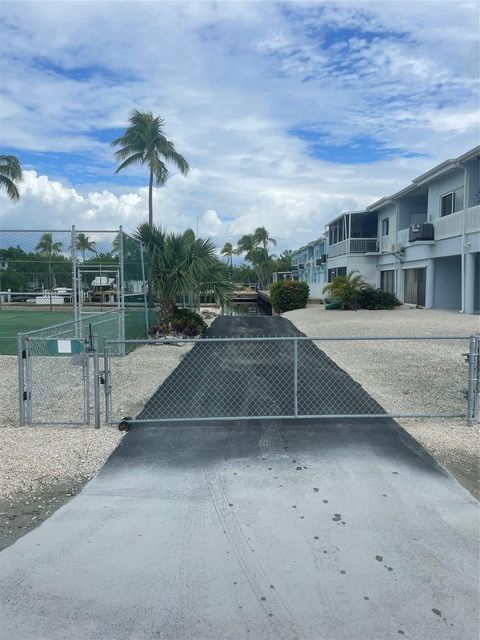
{"x": 43, "y": 466}
{"x": 408, "y": 377}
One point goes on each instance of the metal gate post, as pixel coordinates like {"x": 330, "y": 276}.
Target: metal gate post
{"x": 86, "y": 381}
{"x": 295, "y": 377}
{"x": 28, "y": 382}
{"x": 106, "y": 364}
{"x": 145, "y": 304}
{"x": 472, "y": 380}
{"x": 21, "y": 379}
{"x": 96, "y": 381}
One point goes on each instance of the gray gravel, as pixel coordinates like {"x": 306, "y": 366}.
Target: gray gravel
{"x": 408, "y": 377}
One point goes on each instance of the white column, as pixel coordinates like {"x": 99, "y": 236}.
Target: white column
{"x": 430, "y": 284}
{"x": 469, "y": 282}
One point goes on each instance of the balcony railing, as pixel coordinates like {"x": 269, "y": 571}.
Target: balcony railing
{"x": 472, "y": 220}
{"x": 363, "y": 245}
{"x": 353, "y": 245}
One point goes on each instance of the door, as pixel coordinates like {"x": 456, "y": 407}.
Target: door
{"x": 415, "y": 280}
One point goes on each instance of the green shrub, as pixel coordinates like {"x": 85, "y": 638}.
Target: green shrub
{"x": 376, "y": 299}
{"x": 333, "y": 305}
{"x": 289, "y": 295}
{"x": 183, "y": 322}
{"x": 346, "y": 290}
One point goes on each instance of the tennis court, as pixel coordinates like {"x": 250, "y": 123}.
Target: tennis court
{"x": 14, "y": 321}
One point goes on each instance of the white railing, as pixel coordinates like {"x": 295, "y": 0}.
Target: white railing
{"x": 402, "y": 236}
{"x": 353, "y": 245}
{"x": 363, "y": 245}
{"x": 449, "y": 226}
{"x": 338, "y": 249}
{"x": 472, "y": 219}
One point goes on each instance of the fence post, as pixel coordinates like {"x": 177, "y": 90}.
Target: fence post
{"x": 106, "y": 364}
{"x": 145, "y": 303}
{"x": 74, "y": 282}
{"x": 21, "y": 379}
{"x": 96, "y": 381}
{"x": 295, "y": 377}
{"x": 472, "y": 380}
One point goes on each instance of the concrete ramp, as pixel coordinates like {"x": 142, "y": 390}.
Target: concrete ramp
{"x": 333, "y": 530}
{"x": 319, "y": 531}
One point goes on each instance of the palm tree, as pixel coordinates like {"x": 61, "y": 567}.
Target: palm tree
{"x": 10, "y": 175}
{"x": 228, "y": 251}
{"x": 180, "y": 263}
{"x": 144, "y": 142}
{"x": 48, "y": 248}
{"x": 83, "y": 244}
{"x": 255, "y": 248}
{"x": 263, "y": 238}
{"x": 347, "y": 289}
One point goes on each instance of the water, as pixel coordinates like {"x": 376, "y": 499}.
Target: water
{"x": 243, "y": 309}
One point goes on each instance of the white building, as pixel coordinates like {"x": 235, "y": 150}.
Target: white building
{"x": 309, "y": 265}
{"x": 429, "y": 237}
{"x": 422, "y": 243}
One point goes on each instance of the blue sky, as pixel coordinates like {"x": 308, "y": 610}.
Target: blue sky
{"x": 287, "y": 112}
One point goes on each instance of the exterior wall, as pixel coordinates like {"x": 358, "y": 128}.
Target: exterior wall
{"x": 315, "y": 276}
{"x": 385, "y": 242}
{"x": 439, "y": 187}
{"x": 448, "y": 280}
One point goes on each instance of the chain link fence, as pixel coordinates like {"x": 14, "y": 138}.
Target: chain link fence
{"x": 50, "y": 278}
{"x": 298, "y": 377}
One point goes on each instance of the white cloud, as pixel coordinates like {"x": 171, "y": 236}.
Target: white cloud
{"x": 232, "y": 80}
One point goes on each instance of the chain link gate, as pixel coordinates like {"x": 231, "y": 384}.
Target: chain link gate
{"x": 307, "y": 377}
{"x": 58, "y": 381}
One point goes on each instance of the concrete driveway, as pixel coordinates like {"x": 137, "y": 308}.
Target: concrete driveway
{"x": 333, "y": 530}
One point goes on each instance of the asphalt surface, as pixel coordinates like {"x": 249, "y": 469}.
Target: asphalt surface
{"x": 319, "y": 530}
{"x": 235, "y": 379}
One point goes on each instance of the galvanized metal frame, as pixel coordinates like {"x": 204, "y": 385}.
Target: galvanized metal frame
{"x": 470, "y": 412}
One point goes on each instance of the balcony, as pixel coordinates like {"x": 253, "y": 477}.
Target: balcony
{"x": 353, "y": 245}
{"x": 452, "y": 225}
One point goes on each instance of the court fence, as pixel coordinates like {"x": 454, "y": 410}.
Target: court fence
{"x": 53, "y": 277}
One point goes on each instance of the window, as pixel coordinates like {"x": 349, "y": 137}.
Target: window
{"x": 337, "y": 271}
{"x": 387, "y": 281}
{"x": 385, "y": 226}
{"x": 452, "y": 202}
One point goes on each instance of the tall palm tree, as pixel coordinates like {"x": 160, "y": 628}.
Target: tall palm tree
{"x": 48, "y": 248}
{"x": 84, "y": 244}
{"x": 263, "y": 238}
{"x": 255, "y": 247}
{"x": 228, "y": 251}
{"x": 144, "y": 142}
{"x": 10, "y": 175}
{"x": 180, "y": 263}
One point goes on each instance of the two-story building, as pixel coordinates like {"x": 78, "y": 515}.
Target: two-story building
{"x": 421, "y": 243}
{"x": 352, "y": 245}
{"x": 429, "y": 237}
{"x": 309, "y": 265}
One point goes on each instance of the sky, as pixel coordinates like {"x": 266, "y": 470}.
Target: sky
{"x": 288, "y": 113}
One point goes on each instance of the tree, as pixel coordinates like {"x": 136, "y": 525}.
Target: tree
{"x": 283, "y": 262}
{"x": 144, "y": 142}
{"x": 10, "y": 175}
{"x": 255, "y": 247}
{"x": 180, "y": 264}
{"x": 228, "y": 251}
{"x": 84, "y": 244}
{"x": 347, "y": 290}
{"x": 47, "y": 247}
